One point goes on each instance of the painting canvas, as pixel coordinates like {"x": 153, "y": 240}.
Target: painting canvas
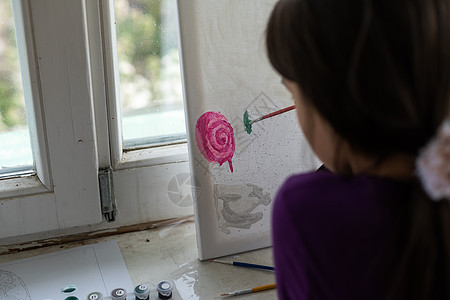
{"x": 235, "y": 173}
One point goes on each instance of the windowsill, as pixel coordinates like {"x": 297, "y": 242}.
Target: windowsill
{"x": 21, "y": 186}
{"x": 170, "y": 253}
{"x": 154, "y": 156}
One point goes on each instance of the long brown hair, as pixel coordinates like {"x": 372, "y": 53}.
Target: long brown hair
{"x": 379, "y": 72}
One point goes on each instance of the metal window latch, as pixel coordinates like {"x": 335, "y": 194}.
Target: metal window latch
{"x": 107, "y": 198}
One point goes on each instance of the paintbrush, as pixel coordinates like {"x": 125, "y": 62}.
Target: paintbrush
{"x": 253, "y": 290}
{"x": 243, "y": 264}
{"x": 248, "y": 123}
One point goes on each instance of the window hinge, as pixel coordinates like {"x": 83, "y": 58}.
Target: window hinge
{"x": 108, "y": 201}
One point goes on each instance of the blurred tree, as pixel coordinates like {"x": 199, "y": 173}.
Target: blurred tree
{"x": 142, "y": 56}
{"x": 12, "y": 107}
{"x": 139, "y": 44}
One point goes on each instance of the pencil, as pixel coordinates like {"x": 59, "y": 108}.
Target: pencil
{"x": 243, "y": 264}
{"x": 252, "y": 290}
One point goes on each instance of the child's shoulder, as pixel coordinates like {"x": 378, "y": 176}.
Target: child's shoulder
{"x": 329, "y": 192}
{"x": 327, "y": 229}
{"x": 313, "y": 184}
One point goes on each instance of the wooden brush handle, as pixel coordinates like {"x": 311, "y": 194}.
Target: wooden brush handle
{"x": 279, "y": 112}
{"x": 264, "y": 287}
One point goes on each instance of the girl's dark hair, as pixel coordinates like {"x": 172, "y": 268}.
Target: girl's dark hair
{"x": 379, "y": 72}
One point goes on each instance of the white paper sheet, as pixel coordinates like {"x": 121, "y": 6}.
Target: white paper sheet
{"x": 91, "y": 268}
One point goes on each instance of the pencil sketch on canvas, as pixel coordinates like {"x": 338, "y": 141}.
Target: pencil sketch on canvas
{"x": 237, "y": 206}
{"x": 12, "y": 287}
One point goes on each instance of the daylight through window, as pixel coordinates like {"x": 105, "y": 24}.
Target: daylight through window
{"x": 149, "y": 69}
{"x": 15, "y": 146}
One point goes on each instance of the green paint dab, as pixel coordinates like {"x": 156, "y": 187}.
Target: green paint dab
{"x": 247, "y": 124}
{"x": 69, "y": 289}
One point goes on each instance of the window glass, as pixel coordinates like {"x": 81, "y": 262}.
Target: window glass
{"x": 149, "y": 69}
{"x": 15, "y": 146}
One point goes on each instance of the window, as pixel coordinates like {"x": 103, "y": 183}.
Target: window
{"x": 15, "y": 147}
{"x": 70, "y": 69}
{"x": 149, "y": 69}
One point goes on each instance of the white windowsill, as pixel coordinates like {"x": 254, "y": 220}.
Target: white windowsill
{"x": 154, "y": 156}
{"x": 21, "y": 186}
{"x": 170, "y": 253}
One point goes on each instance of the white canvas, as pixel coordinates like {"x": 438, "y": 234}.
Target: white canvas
{"x": 226, "y": 72}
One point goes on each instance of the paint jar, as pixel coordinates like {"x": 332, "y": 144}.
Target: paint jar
{"x": 165, "y": 288}
{"x": 142, "y": 292}
{"x": 119, "y": 294}
{"x": 95, "y": 296}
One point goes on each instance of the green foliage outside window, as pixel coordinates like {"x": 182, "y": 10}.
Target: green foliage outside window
{"x": 142, "y": 59}
{"x": 148, "y": 54}
{"x": 12, "y": 109}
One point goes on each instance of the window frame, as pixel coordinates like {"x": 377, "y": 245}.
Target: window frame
{"x": 42, "y": 205}
{"x": 140, "y": 175}
{"x": 64, "y": 193}
{"x": 121, "y": 158}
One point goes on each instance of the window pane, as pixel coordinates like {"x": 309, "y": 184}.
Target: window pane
{"x": 150, "y": 82}
{"x": 15, "y": 147}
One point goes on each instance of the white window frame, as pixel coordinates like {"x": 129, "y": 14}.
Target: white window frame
{"x": 67, "y": 53}
{"x": 121, "y": 159}
{"x": 54, "y": 59}
{"x": 141, "y": 176}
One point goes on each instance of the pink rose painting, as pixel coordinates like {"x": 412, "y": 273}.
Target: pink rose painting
{"x": 215, "y": 138}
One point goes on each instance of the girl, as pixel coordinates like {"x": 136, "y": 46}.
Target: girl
{"x": 371, "y": 83}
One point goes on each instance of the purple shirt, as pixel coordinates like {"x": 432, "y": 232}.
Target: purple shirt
{"x": 334, "y": 237}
